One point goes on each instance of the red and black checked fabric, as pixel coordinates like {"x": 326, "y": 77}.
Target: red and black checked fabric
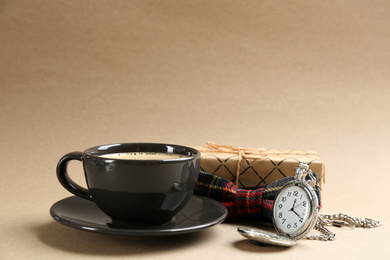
{"x": 239, "y": 202}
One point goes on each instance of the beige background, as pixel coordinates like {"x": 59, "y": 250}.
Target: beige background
{"x": 303, "y": 75}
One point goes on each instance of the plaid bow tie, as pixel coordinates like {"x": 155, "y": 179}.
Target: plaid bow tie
{"x": 256, "y": 203}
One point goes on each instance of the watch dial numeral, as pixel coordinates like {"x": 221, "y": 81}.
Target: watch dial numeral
{"x": 295, "y": 225}
{"x": 295, "y": 193}
{"x": 280, "y": 206}
{"x": 284, "y": 220}
{"x": 284, "y": 199}
{"x": 304, "y": 204}
{"x": 280, "y": 215}
{"x": 289, "y": 226}
{"x": 289, "y": 194}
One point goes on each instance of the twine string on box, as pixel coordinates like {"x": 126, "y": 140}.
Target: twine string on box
{"x": 248, "y": 153}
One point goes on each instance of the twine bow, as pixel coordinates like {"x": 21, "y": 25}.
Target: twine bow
{"x": 247, "y": 153}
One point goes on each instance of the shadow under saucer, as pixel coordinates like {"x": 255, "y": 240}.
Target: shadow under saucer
{"x": 71, "y": 240}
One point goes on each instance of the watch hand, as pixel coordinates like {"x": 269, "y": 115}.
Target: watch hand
{"x": 296, "y": 213}
{"x": 292, "y": 208}
{"x": 298, "y": 204}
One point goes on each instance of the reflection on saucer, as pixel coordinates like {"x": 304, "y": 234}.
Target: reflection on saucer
{"x": 118, "y": 224}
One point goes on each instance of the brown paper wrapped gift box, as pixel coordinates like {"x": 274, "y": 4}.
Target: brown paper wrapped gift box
{"x": 250, "y": 168}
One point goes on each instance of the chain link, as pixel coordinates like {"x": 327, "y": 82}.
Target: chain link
{"x": 339, "y": 220}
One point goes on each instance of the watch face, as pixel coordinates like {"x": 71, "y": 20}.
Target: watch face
{"x": 293, "y": 210}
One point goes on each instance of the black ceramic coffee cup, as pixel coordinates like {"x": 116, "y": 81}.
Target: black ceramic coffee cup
{"x": 143, "y": 190}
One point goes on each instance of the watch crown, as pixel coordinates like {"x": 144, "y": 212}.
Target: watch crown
{"x": 303, "y": 165}
{"x": 302, "y": 168}
{"x": 302, "y": 171}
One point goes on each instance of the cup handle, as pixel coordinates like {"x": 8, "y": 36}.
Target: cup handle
{"x": 66, "y": 181}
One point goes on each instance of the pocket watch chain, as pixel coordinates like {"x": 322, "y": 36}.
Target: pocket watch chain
{"x": 303, "y": 173}
{"x": 339, "y": 220}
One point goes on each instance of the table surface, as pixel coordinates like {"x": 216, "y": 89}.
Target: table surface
{"x": 306, "y": 75}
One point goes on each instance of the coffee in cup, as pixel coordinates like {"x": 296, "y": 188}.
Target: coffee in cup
{"x": 143, "y": 156}
{"x": 135, "y": 182}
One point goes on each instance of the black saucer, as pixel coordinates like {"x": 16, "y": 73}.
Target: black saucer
{"x": 199, "y": 213}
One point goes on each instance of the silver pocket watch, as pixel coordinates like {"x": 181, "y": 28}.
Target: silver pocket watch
{"x": 295, "y": 214}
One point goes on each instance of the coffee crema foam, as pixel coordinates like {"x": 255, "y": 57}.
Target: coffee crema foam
{"x": 143, "y": 156}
